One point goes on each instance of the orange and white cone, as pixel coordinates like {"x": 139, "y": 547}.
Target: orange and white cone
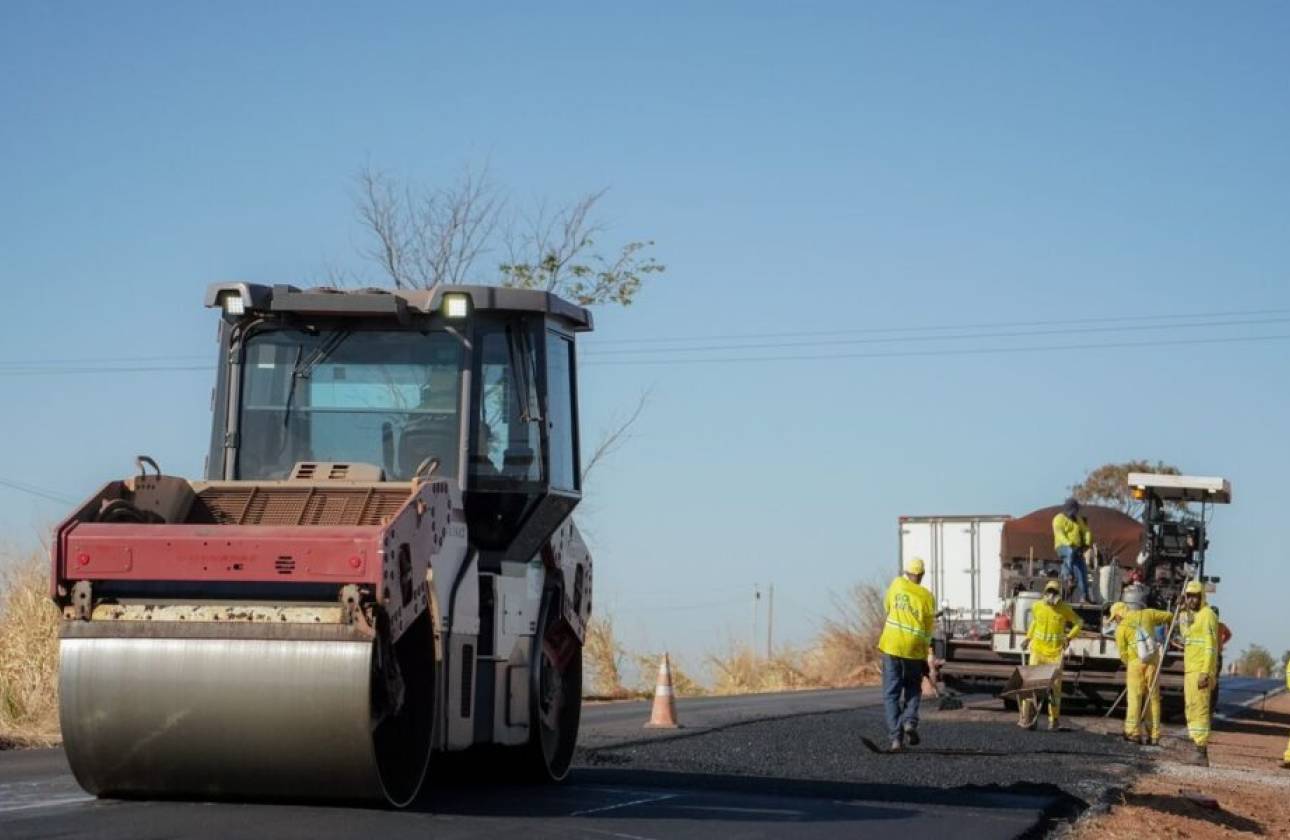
{"x": 663, "y": 715}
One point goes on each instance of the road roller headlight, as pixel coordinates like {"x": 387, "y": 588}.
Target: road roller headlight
{"x": 456, "y": 305}
{"x": 232, "y": 303}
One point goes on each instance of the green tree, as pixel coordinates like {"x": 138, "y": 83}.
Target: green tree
{"x": 1255, "y": 659}
{"x": 1108, "y": 485}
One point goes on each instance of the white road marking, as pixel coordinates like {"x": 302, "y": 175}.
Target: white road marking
{"x": 730, "y": 809}
{"x": 47, "y": 803}
{"x": 605, "y": 808}
{"x": 615, "y": 834}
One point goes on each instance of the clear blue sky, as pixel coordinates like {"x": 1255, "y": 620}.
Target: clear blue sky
{"x": 830, "y": 168}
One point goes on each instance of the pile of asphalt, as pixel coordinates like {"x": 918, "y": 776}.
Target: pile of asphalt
{"x": 956, "y": 751}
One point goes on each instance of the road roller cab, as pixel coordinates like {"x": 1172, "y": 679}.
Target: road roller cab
{"x": 379, "y": 564}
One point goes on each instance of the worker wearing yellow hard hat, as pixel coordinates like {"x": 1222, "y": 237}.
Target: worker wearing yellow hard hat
{"x": 906, "y": 635}
{"x": 1053, "y": 624}
{"x": 1200, "y": 666}
{"x": 1136, "y": 639}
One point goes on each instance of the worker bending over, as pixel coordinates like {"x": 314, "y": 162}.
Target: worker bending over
{"x": 1137, "y": 638}
{"x": 1072, "y": 538}
{"x": 1047, "y": 639}
{"x": 1200, "y": 666}
{"x": 911, "y": 616}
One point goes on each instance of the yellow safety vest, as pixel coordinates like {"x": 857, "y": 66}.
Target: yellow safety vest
{"x": 1048, "y": 627}
{"x": 1200, "y": 644}
{"x": 1126, "y": 634}
{"x": 911, "y": 617}
{"x": 1067, "y": 531}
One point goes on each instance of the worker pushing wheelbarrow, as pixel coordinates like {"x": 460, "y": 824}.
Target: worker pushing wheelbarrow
{"x": 1053, "y": 625}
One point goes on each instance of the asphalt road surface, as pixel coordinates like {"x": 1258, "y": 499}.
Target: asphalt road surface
{"x": 781, "y": 765}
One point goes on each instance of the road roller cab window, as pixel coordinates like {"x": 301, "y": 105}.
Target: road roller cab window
{"x": 384, "y": 397}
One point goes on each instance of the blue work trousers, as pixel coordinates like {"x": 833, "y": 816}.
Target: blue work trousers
{"x": 1073, "y": 565}
{"x": 902, "y": 692}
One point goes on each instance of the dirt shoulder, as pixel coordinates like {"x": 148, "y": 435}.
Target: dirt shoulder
{"x": 1244, "y": 778}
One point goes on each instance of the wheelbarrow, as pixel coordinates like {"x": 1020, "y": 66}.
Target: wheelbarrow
{"x": 1031, "y": 682}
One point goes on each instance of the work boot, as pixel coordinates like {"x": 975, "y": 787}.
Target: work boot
{"x": 1200, "y": 758}
{"x": 911, "y": 735}
{"x": 1132, "y": 738}
{"x": 897, "y": 745}
{"x": 1054, "y": 725}
{"x": 1153, "y": 741}
{"x": 1285, "y": 765}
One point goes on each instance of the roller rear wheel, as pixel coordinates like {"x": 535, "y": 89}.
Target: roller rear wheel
{"x": 555, "y": 699}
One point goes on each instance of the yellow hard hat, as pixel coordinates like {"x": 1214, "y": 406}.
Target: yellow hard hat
{"x": 1195, "y": 587}
{"x": 915, "y": 566}
{"x": 1053, "y": 586}
{"x": 1117, "y": 610}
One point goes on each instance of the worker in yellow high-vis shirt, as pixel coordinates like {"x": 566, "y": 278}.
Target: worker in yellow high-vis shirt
{"x": 1136, "y": 637}
{"x": 906, "y": 636}
{"x": 1072, "y": 540}
{"x": 1200, "y": 666}
{"x": 1053, "y": 624}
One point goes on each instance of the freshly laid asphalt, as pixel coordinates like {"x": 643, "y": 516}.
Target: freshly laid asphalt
{"x": 757, "y": 766}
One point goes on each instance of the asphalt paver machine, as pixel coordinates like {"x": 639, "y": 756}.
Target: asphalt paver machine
{"x": 380, "y": 564}
{"x": 1166, "y": 550}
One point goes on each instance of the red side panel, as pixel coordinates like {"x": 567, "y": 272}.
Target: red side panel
{"x": 306, "y": 554}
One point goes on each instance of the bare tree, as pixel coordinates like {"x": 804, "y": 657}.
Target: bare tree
{"x": 615, "y": 438}
{"x": 421, "y": 235}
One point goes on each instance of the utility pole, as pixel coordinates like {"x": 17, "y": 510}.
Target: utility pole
{"x": 770, "y": 622}
{"x": 756, "y": 610}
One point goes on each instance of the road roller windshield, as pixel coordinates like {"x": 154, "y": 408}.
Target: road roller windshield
{"x": 390, "y": 398}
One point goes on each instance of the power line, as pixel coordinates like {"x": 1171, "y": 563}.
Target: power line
{"x": 99, "y": 359}
{"x": 111, "y": 369}
{"x": 961, "y": 351}
{"x": 665, "y": 355}
{"x": 32, "y": 490}
{"x": 953, "y": 337}
{"x": 943, "y": 327}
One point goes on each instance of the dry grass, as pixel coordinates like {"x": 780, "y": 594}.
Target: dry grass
{"x": 683, "y": 685}
{"x": 845, "y": 653}
{"x": 740, "y": 670}
{"x": 28, "y": 654}
{"x": 603, "y": 658}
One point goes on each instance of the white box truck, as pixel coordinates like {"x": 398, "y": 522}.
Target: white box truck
{"x": 963, "y": 567}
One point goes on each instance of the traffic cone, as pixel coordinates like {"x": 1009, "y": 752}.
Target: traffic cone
{"x": 663, "y": 716}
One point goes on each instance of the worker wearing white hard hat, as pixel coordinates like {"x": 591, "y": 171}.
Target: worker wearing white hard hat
{"x": 1200, "y": 667}
{"x": 1053, "y": 624}
{"x": 906, "y": 636}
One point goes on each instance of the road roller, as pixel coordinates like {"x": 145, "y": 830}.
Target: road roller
{"x": 380, "y": 565}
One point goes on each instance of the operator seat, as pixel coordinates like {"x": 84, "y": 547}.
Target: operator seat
{"x": 425, "y": 437}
